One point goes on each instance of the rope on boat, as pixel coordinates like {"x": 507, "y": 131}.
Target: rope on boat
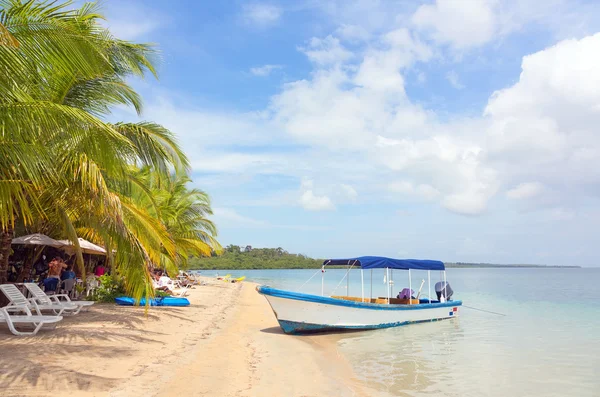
{"x": 318, "y": 271}
{"x": 343, "y": 278}
{"x": 486, "y": 311}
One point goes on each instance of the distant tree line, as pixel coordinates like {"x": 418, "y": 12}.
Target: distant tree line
{"x": 237, "y": 257}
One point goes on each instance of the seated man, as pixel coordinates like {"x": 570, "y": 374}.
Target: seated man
{"x": 55, "y": 268}
{"x": 444, "y": 291}
{"x": 68, "y": 273}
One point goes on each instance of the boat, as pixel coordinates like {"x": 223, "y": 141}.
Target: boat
{"x": 299, "y": 313}
{"x": 159, "y": 301}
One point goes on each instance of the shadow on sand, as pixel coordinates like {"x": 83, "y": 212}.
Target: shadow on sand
{"x": 43, "y": 360}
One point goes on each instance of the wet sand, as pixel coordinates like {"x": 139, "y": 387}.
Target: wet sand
{"x": 227, "y": 343}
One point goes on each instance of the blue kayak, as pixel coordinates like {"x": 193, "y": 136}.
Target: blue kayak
{"x": 162, "y": 301}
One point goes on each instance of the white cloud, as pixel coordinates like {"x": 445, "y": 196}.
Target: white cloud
{"x": 452, "y": 77}
{"x": 231, "y": 216}
{"x": 326, "y": 51}
{"x": 312, "y": 202}
{"x": 349, "y": 191}
{"x": 132, "y": 29}
{"x": 353, "y": 33}
{"x": 525, "y": 190}
{"x": 422, "y": 191}
{"x": 261, "y": 15}
{"x": 461, "y": 24}
{"x": 124, "y": 22}
{"x": 355, "y": 119}
{"x": 264, "y": 70}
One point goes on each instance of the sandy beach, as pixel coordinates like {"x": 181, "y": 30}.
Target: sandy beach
{"x": 227, "y": 343}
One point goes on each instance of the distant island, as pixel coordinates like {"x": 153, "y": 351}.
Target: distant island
{"x": 236, "y": 257}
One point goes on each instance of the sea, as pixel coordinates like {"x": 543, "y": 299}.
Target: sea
{"x": 520, "y": 332}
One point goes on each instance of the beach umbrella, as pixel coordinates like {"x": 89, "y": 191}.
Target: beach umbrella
{"x": 37, "y": 239}
{"x": 86, "y": 247}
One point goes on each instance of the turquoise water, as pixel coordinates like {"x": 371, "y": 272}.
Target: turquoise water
{"x": 547, "y": 344}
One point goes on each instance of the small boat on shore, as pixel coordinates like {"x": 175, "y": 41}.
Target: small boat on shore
{"x": 301, "y": 313}
{"x": 159, "y": 301}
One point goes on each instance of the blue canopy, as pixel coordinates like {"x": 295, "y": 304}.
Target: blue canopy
{"x": 379, "y": 262}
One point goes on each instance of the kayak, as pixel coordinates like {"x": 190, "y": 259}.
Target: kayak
{"x": 162, "y": 301}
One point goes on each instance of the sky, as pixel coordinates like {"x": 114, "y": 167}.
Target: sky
{"x": 461, "y": 130}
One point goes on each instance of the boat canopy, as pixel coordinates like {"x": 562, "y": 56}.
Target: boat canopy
{"x": 379, "y": 262}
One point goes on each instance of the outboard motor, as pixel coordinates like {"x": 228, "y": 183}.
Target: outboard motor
{"x": 446, "y": 293}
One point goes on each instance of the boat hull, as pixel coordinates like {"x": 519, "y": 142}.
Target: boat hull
{"x": 302, "y": 313}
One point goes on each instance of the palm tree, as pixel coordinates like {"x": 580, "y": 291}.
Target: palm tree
{"x": 61, "y": 164}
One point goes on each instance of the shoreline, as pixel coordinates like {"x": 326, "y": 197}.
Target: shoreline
{"x": 227, "y": 343}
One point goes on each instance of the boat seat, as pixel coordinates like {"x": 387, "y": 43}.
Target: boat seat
{"x": 396, "y": 301}
{"x": 353, "y": 298}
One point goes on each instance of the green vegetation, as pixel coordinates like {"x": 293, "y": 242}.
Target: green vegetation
{"x": 235, "y": 257}
{"x": 65, "y": 171}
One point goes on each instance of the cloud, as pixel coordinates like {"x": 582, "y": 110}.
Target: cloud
{"x": 311, "y": 202}
{"x": 352, "y": 122}
{"x": 124, "y": 22}
{"x": 231, "y": 216}
{"x": 462, "y": 24}
{"x": 452, "y": 77}
{"x": 264, "y": 70}
{"x": 525, "y": 190}
{"x": 326, "y": 51}
{"x": 423, "y": 191}
{"x": 349, "y": 191}
{"x": 353, "y": 33}
{"x": 261, "y": 15}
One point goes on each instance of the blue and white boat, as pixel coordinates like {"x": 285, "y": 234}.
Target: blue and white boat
{"x": 300, "y": 313}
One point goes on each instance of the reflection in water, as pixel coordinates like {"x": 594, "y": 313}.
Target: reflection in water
{"x": 407, "y": 359}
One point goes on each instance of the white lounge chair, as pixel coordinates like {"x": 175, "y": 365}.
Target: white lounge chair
{"x": 42, "y": 298}
{"x": 17, "y": 299}
{"x": 36, "y": 321}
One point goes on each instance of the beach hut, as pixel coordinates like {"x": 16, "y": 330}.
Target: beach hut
{"x": 86, "y": 247}
{"x": 38, "y": 239}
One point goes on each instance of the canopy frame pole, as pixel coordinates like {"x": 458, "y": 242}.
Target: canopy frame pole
{"x": 323, "y": 281}
{"x": 445, "y": 296}
{"x": 409, "y": 288}
{"x": 391, "y": 283}
{"x": 429, "y": 282}
{"x": 371, "y": 284}
{"x": 387, "y": 278}
{"x": 348, "y": 283}
{"x": 362, "y": 285}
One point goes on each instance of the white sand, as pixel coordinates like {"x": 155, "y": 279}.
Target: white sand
{"x": 227, "y": 343}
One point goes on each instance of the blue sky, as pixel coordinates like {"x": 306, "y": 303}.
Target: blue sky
{"x": 452, "y": 130}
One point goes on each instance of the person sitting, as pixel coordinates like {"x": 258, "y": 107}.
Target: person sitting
{"x": 55, "y": 267}
{"x": 99, "y": 270}
{"x": 50, "y": 284}
{"x": 68, "y": 273}
{"x": 158, "y": 285}
{"x": 406, "y": 293}
{"x": 443, "y": 291}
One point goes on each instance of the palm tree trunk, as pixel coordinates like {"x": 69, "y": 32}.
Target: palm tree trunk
{"x": 6, "y": 236}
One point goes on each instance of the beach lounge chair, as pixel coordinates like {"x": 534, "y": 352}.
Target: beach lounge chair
{"x": 42, "y": 298}
{"x": 171, "y": 285}
{"x": 31, "y": 320}
{"x": 17, "y": 299}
